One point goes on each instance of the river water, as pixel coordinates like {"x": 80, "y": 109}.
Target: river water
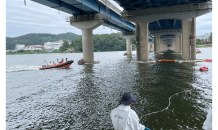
{"x": 171, "y": 96}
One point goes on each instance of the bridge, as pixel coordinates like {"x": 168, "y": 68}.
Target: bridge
{"x": 90, "y": 14}
{"x": 172, "y": 23}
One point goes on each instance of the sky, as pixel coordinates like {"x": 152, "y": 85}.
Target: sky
{"x": 37, "y": 18}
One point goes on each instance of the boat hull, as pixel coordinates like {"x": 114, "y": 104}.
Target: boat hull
{"x": 61, "y": 65}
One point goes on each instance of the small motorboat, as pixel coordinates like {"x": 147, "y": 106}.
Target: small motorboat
{"x": 198, "y": 51}
{"x": 203, "y": 68}
{"x": 64, "y": 64}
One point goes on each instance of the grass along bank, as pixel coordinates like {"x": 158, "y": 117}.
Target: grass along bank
{"x": 203, "y": 45}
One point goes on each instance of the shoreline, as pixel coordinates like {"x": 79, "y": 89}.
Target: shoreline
{"x": 82, "y": 52}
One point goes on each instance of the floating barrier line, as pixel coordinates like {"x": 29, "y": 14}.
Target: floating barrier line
{"x": 168, "y": 104}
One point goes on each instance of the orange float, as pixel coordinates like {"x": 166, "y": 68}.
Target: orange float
{"x": 203, "y": 68}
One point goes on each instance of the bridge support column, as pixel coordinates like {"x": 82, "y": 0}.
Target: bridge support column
{"x": 180, "y": 37}
{"x": 162, "y": 46}
{"x": 178, "y": 43}
{"x": 129, "y": 46}
{"x": 149, "y": 47}
{"x": 188, "y": 39}
{"x": 193, "y": 40}
{"x": 173, "y": 45}
{"x": 142, "y": 53}
{"x": 156, "y": 45}
{"x": 128, "y": 43}
{"x": 87, "y": 28}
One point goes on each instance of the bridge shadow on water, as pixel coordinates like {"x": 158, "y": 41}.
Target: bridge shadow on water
{"x": 171, "y": 100}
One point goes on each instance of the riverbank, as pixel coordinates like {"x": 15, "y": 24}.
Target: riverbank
{"x": 203, "y": 45}
{"x": 34, "y": 52}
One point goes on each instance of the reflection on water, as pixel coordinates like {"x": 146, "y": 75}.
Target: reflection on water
{"x": 82, "y": 97}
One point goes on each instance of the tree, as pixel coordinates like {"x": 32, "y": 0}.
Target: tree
{"x": 64, "y": 46}
{"x": 210, "y": 37}
{"x": 133, "y": 46}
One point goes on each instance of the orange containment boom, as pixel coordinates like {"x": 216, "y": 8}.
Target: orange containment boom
{"x": 170, "y": 60}
{"x": 165, "y": 60}
{"x": 162, "y": 60}
{"x": 207, "y": 60}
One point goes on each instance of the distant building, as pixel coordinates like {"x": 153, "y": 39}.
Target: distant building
{"x": 33, "y": 47}
{"x": 53, "y": 45}
{"x": 205, "y": 36}
{"x": 19, "y": 47}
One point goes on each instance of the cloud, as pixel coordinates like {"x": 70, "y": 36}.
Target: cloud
{"x": 204, "y": 24}
{"x": 37, "y": 18}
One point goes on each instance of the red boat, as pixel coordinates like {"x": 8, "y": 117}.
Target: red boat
{"x": 198, "y": 51}
{"x": 203, "y": 68}
{"x": 64, "y": 64}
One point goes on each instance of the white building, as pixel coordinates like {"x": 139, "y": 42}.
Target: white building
{"x": 34, "y": 47}
{"x": 19, "y": 47}
{"x": 205, "y": 36}
{"x": 53, "y": 45}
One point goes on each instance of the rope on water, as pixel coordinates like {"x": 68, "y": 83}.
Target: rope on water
{"x": 168, "y": 104}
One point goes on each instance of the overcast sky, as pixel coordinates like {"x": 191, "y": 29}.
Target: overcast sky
{"x": 37, "y": 18}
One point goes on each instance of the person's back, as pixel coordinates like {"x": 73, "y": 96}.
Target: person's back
{"x": 62, "y": 60}
{"x": 123, "y": 117}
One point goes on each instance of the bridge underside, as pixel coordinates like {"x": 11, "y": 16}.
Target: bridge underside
{"x": 172, "y": 23}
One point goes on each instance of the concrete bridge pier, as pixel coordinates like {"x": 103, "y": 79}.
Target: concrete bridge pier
{"x": 188, "y": 39}
{"x": 142, "y": 51}
{"x": 168, "y": 40}
{"x": 87, "y": 28}
{"x": 156, "y": 45}
{"x": 128, "y": 43}
{"x": 178, "y": 43}
{"x": 173, "y": 45}
{"x": 163, "y": 46}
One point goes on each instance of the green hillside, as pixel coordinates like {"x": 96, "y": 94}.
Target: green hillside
{"x": 38, "y": 39}
{"x": 102, "y": 42}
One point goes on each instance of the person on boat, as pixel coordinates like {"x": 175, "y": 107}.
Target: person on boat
{"x": 50, "y": 64}
{"x": 66, "y": 59}
{"x": 62, "y": 60}
{"x": 58, "y": 61}
{"x": 54, "y": 63}
{"x": 123, "y": 117}
{"x": 208, "y": 123}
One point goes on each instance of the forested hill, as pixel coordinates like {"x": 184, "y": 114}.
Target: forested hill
{"x": 102, "y": 42}
{"x": 37, "y": 39}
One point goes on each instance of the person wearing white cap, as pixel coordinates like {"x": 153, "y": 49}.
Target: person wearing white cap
{"x": 123, "y": 117}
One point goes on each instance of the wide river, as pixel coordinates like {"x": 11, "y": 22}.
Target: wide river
{"x": 171, "y": 96}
